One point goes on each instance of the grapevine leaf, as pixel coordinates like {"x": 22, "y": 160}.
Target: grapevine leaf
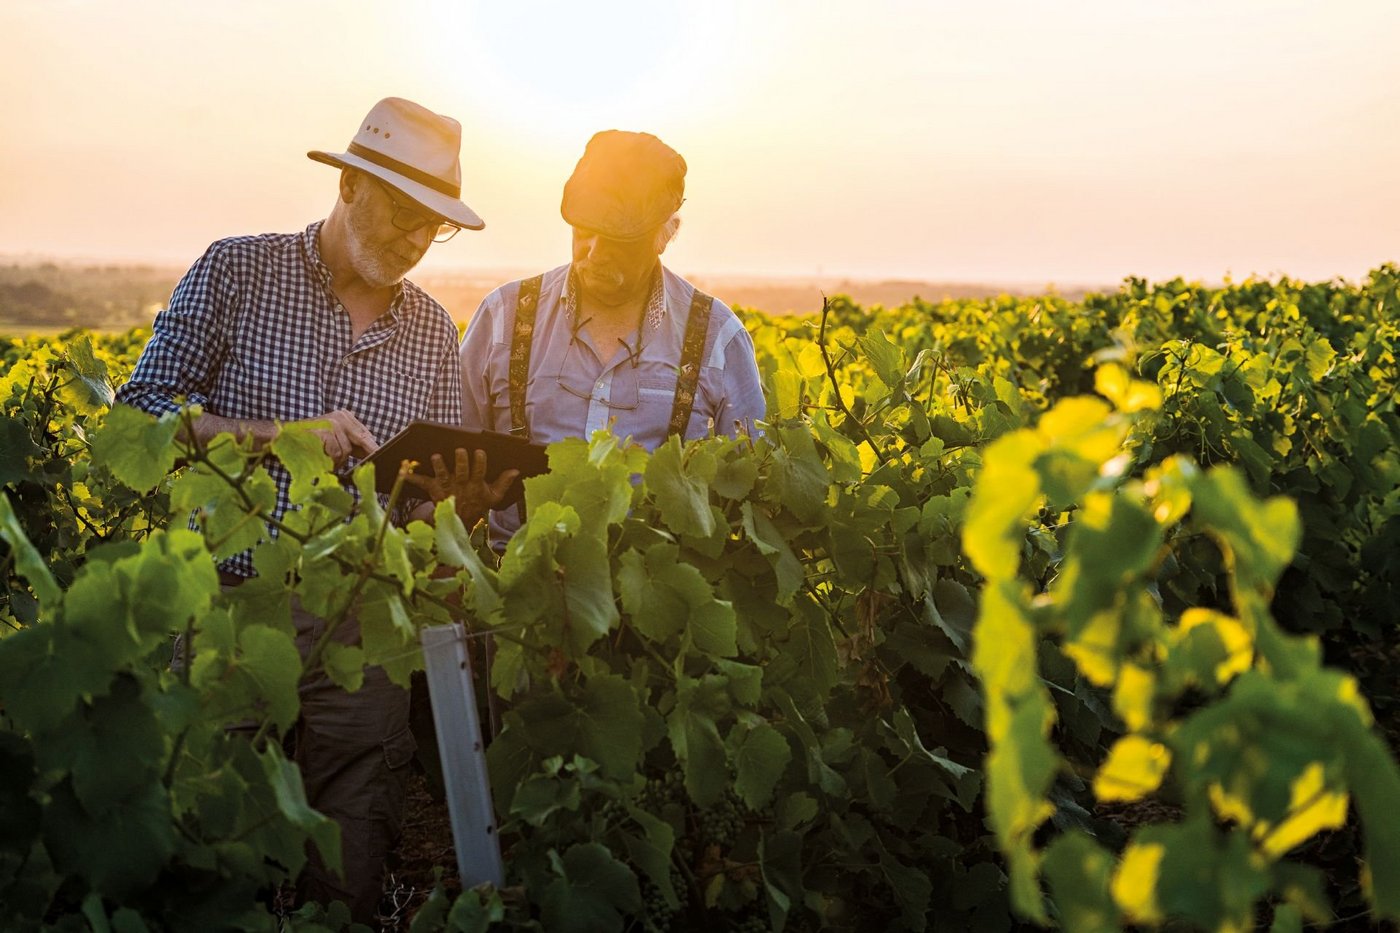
{"x": 603, "y": 723}
{"x": 269, "y": 664}
{"x": 540, "y": 795}
{"x": 799, "y": 477}
{"x": 760, "y": 759}
{"x": 681, "y": 487}
{"x": 652, "y": 852}
{"x": 112, "y": 747}
{"x": 1079, "y": 872}
{"x": 771, "y": 544}
{"x": 811, "y": 649}
{"x": 138, "y": 448}
{"x": 303, "y": 453}
{"x": 780, "y": 859}
{"x": 745, "y": 681}
{"x": 911, "y": 886}
{"x": 44, "y": 671}
{"x": 735, "y": 478}
{"x": 28, "y": 563}
{"x": 1134, "y": 768}
{"x": 285, "y": 778}
{"x": 344, "y": 665}
{"x": 591, "y": 478}
{"x": 695, "y": 737}
{"x": 16, "y": 447}
{"x": 88, "y": 391}
{"x": 887, "y": 359}
{"x": 592, "y": 893}
{"x": 1006, "y": 493}
{"x": 118, "y": 852}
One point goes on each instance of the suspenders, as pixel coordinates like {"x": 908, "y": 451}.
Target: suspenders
{"x": 520, "y": 339}
{"x": 687, "y": 374}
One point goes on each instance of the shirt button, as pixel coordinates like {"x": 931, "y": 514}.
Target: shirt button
{"x": 599, "y": 385}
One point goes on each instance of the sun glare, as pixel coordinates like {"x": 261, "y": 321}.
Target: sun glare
{"x": 567, "y": 72}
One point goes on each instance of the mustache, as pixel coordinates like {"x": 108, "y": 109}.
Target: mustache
{"x": 611, "y": 277}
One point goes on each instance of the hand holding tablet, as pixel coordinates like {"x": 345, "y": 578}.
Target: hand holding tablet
{"x": 483, "y": 462}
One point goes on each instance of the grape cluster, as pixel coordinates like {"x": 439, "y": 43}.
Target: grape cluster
{"x": 657, "y": 916}
{"x": 720, "y": 824}
{"x": 753, "y": 921}
{"x": 658, "y": 792}
{"x": 613, "y": 812}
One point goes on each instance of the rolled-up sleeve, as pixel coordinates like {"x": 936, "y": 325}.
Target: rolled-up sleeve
{"x": 188, "y": 341}
{"x": 742, "y": 403}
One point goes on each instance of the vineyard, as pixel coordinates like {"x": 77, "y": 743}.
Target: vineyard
{"x": 1019, "y": 613}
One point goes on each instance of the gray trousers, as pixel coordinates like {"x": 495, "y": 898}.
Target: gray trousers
{"x": 353, "y": 750}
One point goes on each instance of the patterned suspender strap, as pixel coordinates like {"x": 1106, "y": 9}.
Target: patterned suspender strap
{"x": 521, "y": 337}
{"x": 688, "y": 376}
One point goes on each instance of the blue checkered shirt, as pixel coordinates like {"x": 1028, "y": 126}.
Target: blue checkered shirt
{"x": 254, "y": 331}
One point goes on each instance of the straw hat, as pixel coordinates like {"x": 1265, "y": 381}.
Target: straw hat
{"x": 415, "y": 151}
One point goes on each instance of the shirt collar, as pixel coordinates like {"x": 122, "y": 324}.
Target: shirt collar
{"x": 656, "y": 300}
{"x": 311, "y": 250}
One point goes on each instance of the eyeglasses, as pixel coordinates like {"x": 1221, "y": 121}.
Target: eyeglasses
{"x": 410, "y": 220}
{"x": 570, "y": 378}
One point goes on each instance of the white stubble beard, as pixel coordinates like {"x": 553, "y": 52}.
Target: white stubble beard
{"x": 377, "y": 267}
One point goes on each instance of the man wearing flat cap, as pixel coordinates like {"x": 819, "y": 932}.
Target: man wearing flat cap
{"x": 322, "y": 325}
{"x": 612, "y": 339}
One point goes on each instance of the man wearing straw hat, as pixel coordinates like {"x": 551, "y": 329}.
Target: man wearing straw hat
{"x": 612, "y": 339}
{"x": 322, "y": 325}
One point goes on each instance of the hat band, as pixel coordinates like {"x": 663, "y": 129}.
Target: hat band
{"x": 406, "y": 170}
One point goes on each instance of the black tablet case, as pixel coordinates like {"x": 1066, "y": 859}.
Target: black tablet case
{"x": 421, "y": 439}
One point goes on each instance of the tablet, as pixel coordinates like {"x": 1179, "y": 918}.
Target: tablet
{"x": 421, "y": 439}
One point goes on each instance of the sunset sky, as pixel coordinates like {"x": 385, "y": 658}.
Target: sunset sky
{"x": 1032, "y": 141}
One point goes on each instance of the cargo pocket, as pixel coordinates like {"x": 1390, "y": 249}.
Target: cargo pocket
{"x": 398, "y": 752}
{"x": 399, "y": 749}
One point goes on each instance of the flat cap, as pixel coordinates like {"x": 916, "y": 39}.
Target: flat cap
{"x": 625, "y": 185}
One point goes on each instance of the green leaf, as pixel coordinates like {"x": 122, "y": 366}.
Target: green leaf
{"x": 112, "y": 747}
{"x": 887, "y": 359}
{"x": 652, "y": 853}
{"x": 592, "y": 478}
{"x": 88, "y": 391}
{"x": 694, "y": 733}
{"x": 1079, "y": 872}
{"x": 760, "y": 759}
{"x": 780, "y": 859}
{"x": 28, "y": 563}
{"x": 118, "y": 852}
{"x": 592, "y": 893}
{"x": 344, "y": 665}
{"x": 911, "y": 886}
{"x": 16, "y": 448}
{"x": 303, "y": 453}
{"x": 138, "y": 448}
{"x": 541, "y": 795}
{"x": 680, "y": 484}
{"x": 771, "y": 544}
{"x": 285, "y": 779}
{"x": 799, "y": 478}
{"x": 811, "y": 648}
{"x": 603, "y": 723}
{"x": 1005, "y": 494}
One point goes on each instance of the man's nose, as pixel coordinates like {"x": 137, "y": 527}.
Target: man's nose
{"x": 423, "y": 236}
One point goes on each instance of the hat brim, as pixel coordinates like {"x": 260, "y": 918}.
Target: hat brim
{"x": 445, "y": 206}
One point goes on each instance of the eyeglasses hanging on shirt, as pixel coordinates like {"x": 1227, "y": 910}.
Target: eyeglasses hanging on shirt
{"x": 581, "y": 375}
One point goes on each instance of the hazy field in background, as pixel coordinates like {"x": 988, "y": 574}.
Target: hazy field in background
{"x": 38, "y": 297}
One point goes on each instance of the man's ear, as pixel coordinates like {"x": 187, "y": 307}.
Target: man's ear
{"x": 351, "y": 183}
